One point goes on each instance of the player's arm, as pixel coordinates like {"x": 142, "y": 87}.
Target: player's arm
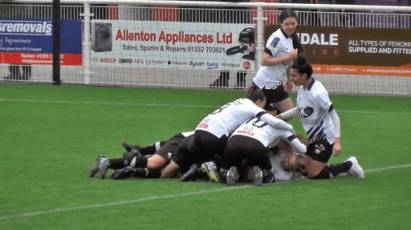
{"x": 296, "y": 144}
{"x": 273, "y": 121}
{"x": 261, "y": 114}
{"x": 270, "y": 60}
{"x": 337, "y": 126}
{"x": 270, "y": 51}
{"x": 324, "y": 101}
{"x": 288, "y": 115}
{"x": 289, "y": 85}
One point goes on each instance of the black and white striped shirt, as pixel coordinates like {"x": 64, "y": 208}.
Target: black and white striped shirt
{"x": 313, "y": 105}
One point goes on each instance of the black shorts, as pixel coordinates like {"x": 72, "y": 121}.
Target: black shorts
{"x": 208, "y": 144}
{"x": 240, "y": 148}
{"x": 320, "y": 150}
{"x": 273, "y": 95}
{"x": 182, "y": 156}
{"x": 198, "y": 148}
{"x": 170, "y": 146}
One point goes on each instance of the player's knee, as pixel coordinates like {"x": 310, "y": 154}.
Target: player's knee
{"x": 156, "y": 162}
{"x": 170, "y": 169}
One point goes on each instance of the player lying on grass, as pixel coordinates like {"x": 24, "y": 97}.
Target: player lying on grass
{"x": 321, "y": 123}
{"x": 212, "y": 132}
{"x": 285, "y": 165}
{"x": 251, "y": 142}
{"x": 141, "y": 161}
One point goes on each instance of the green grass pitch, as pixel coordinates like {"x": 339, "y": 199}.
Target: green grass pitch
{"x": 50, "y": 136}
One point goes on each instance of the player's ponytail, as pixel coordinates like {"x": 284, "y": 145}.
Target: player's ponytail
{"x": 303, "y": 66}
{"x": 297, "y": 44}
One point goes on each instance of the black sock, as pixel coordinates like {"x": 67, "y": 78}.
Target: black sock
{"x": 116, "y": 163}
{"x": 223, "y": 175}
{"x": 151, "y": 149}
{"x": 139, "y": 162}
{"x": 332, "y": 171}
{"x": 153, "y": 173}
{"x": 340, "y": 168}
{"x": 324, "y": 174}
{"x": 147, "y": 173}
{"x": 140, "y": 172}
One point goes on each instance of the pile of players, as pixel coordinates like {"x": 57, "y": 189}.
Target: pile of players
{"x": 242, "y": 141}
{"x": 239, "y": 136}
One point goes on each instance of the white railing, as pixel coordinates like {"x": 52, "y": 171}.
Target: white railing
{"x": 260, "y": 14}
{"x": 373, "y": 8}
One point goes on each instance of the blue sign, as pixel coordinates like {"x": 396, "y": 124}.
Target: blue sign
{"x": 36, "y": 36}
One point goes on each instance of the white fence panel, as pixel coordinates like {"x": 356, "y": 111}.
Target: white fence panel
{"x": 195, "y": 18}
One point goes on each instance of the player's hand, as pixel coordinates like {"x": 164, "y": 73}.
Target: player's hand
{"x": 289, "y": 85}
{"x": 337, "y": 147}
{"x": 293, "y": 54}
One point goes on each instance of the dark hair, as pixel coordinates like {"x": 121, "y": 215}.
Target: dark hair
{"x": 286, "y": 13}
{"x": 296, "y": 43}
{"x": 302, "y": 66}
{"x": 255, "y": 94}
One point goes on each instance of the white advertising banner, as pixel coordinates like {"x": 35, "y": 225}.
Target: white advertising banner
{"x": 181, "y": 45}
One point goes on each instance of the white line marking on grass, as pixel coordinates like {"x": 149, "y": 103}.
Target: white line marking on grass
{"x": 161, "y": 197}
{"x": 388, "y": 168}
{"x": 372, "y": 112}
{"x": 116, "y": 203}
{"x": 165, "y": 105}
{"x": 104, "y": 103}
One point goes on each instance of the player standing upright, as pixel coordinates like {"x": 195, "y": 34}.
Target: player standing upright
{"x": 281, "y": 49}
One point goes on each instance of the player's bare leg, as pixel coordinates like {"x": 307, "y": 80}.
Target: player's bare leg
{"x": 285, "y": 105}
{"x": 155, "y": 162}
{"x": 314, "y": 167}
{"x": 320, "y": 170}
{"x": 170, "y": 170}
